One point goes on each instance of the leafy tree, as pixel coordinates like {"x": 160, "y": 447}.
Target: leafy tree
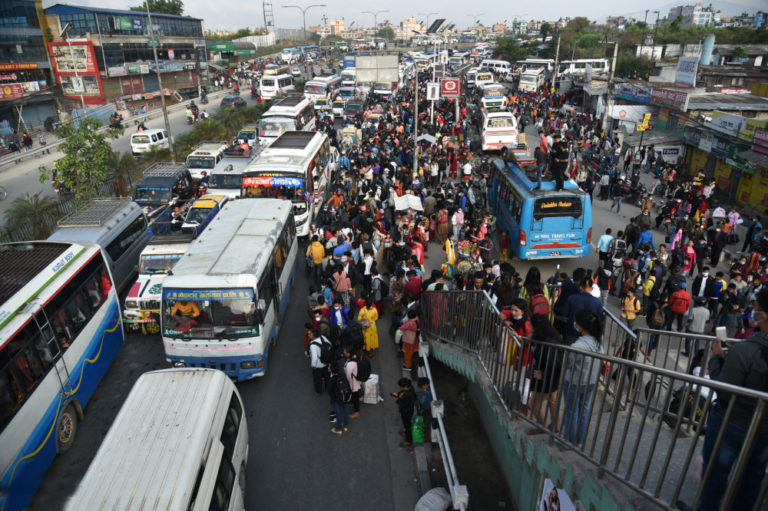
{"x": 508, "y": 49}
{"x": 85, "y": 163}
{"x": 154, "y": 155}
{"x": 544, "y": 30}
{"x": 36, "y": 211}
{"x": 739, "y": 52}
{"x": 386, "y": 33}
{"x": 209, "y": 129}
{"x": 315, "y": 38}
{"x": 123, "y": 166}
{"x": 161, "y": 7}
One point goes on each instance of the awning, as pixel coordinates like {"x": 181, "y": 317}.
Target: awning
{"x": 217, "y": 66}
{"x": 754, "y": 159}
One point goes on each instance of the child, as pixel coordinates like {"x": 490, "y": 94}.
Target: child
{"x": 504, "y": 246}
{"x": 425, "y": 404}
{"x": 406, "y": 399}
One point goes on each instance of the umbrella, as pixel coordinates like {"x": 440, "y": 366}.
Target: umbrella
{"x": 429, "y": 138}
{"x": 408, "y": 202}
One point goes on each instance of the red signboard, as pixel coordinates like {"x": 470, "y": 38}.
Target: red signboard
{"x": 17, "y": 66}
{"x": 761, "y": 142}
{"x": 11, "y": 91}
{"x": 677, "y": 100}
{"x": 77, "y": 71}
{"x": 450, "y": 87}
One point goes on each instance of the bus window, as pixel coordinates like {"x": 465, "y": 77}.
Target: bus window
{"x": 231, "y": 426}
{"x": 223, "y": 489}
{"x": 557, "y": 207}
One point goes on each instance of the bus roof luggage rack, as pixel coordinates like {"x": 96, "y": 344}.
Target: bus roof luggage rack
{"x": 293, "y": 140}
{"x": 21, "y": 262}
{"x": 95, "y": 213}
{"x": 164, "y": 169}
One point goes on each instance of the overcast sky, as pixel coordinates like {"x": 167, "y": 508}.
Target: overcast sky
{"x": 249, "y": 13}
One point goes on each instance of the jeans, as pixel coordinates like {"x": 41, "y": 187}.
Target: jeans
{"x": 617, "y": 203}
{"x": 733, "y": 440}
{"x": 318, "y": 275}
{"x": 457, "y": 232}
{"x": 342, "y": 414}
{"x": 540, "y": 170}
{"x": 578, "y": 403}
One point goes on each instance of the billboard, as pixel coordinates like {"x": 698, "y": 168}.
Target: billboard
{"x": 685, "y": 76}
{"x": 77, "y": 71}
{"x": 377, "y": 68}
{"x": 676, "y": 100}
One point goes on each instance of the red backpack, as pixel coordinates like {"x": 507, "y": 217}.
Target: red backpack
{"x": 539, "y": 304}
{"x": 679, "y": 302}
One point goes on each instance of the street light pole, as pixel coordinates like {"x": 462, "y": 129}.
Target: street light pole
{"x": 375, "y": 17}
{"x": 427, "y": 15}
{"x": 609, "y": 102}
{"x": 160, "y": 84}
{"x": 303, "y": 15}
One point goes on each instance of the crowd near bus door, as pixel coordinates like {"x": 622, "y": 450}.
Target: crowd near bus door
{"x": 48, "y": 336}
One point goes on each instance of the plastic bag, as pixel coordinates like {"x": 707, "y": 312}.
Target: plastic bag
{"x": 417, "y": 430}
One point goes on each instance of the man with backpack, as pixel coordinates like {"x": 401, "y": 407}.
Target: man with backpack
{"x": 679, "y": 303}
{"x": 320, "y": 355}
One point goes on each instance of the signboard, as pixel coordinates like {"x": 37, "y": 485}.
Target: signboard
{"x": 587, "y": 79}
{"x": 190, "y": 66}
{"x": 761, "y": 142}
{"x": 633, "y": 93}
{"x": 11, "y": 76}
{"x": 705, "y": 141}
{"x": 643, "y": 126}
{"x": 17, "y": 66}
{"x": 727, "y": 123}
{"x": 137, "y": 69}
{"x": 171, "y": 54}
{"x": 685, "y": 76}
{"x": 677, "y": 100}
{"x": 433, "y": 91}
{"x": 450, "y": 88}
{"x": 77, "y": 71}
{"x": 630, "y": 113}
{"x": 116, "y": 71}
{"x": 377, "y": 68}
{"x": 748, "y": 132}
{"x": 11, "y": 91}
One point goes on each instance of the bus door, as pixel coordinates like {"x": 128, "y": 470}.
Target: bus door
{"x": 51, "y": 343}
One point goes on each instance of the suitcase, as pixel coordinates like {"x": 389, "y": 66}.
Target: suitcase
{"x": 371, "y": 390}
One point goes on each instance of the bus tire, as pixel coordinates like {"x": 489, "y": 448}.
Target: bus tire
{"x": 66, "y": 429}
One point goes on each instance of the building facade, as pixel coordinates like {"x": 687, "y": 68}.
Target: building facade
{"x": 113, "y": 52}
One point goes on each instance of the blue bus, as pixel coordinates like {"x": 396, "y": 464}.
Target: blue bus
{"x": 60, "y": 331}
{"x": 541, "y": 223}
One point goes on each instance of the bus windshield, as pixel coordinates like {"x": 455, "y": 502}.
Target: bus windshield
{"x": 207, "y": 313}
{"x": 140, "y": 139}
{"x": 152, "y": 194}
{"x": 557, "y": 207}
{"x": 382, "y": 86}
{"x": 312, "y": 88}
{"x": 154, "y": 264}
{"x": 246, "y": 135}
{"x": 275, "y": 125}
{"x": 274, "y": 187}
{"x": 201, "y": 162}
{"x": 230, "y": 182}
{"x": 493, "y": 92}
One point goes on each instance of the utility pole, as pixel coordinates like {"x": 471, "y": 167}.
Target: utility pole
{"x": 557, "y": 63}
{"x": 416, "y": 124}
{"x": 160, "y": 83}
{"x": 609, "y": 101}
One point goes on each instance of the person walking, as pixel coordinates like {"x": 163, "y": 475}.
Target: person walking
{"x": 617, "y": 192}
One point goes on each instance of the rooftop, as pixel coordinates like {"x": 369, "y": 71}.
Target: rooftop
{"x": 81, "y": 9}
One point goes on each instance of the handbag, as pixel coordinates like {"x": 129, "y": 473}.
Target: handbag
{"x": 417, "y": 430}
{"x": 365, "y": 323}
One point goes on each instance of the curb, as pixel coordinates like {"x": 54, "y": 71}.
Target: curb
{"x": 422, "y": 468}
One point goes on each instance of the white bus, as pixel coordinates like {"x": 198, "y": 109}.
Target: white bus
{"x": 548, "y": 65}
{"x": 498, "y": 66}
{"x": 322, "y": 86}
{"x": 483, "y": 78}
{"x": 348, "y": 77}
{"x": 60, "y": 331}
{"x": 578, "y": 67}
{"x": 299, "y": 167}
{"x": 494, "y": 97}
{"x": 294, "y": 113}
{"x": 226, "y": 298}
{"x": 275, "y": 85}
{"x": 179, "y": 443}
{"x": 226, "y": 178}
{"x": 499, "y": 131}
{"x": 531, "y": 80}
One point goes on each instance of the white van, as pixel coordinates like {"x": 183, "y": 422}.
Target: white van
{"x": 144, "y": 141}
{"x": 483, "y": 78}
{"x": 471, "y": 77}
{"x": 179, "y": 443}
{"x": 275, "y": 85}
{"x": 497, "y": 66}
{"x": 531, "y": 80}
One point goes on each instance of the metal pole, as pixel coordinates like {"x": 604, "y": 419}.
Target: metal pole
{"x": 609, "y": 101}
{"x": 432, "y": 102}
{"x": 160, "y": 83}
{"x": 557, "y": 63}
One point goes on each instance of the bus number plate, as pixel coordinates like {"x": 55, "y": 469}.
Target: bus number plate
{"x": 554, "y": 253}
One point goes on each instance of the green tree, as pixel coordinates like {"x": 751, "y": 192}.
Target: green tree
{"x": 739, "y": 52}
{"x": 154, "y": 155}
{"x": 387, "y": 33}
{"x": 209, "y": 129}
{"x": 36, "y": 211}
{"x": 161, "y": 7}
{"x": 123, "y": 166}
{"x": 85, "y": 163}
{"x": 508, "y": 49}
{"x": 544, "y": 30}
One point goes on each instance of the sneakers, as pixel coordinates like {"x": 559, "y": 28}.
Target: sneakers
{"x": 405, "y": 368}
{"x": 354, "y": 415}
{"x": 336, "y": 431}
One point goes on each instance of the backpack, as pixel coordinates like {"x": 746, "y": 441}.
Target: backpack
{"x": 384, "y": 287}
{"x": 648, "y": 285}
{"x": 539, "y": 304}
{"x": 342, "y": 392}
{"x": 326, "y": 350}
{"x": 658, "y": 318}
{"x": 679, "y": 304}
{"x": 619, "y": 248}
{"x": 363, "y": 368}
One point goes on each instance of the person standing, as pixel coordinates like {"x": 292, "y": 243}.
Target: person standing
{"x": 559, "y": 161}
{"x": 630, "y": 308}
{"x": 339, "y": 391}
{"x": 319, "y": 368}
{"x": 746, "y": 365}
{"x": 406, "y": 400}
{"x": 617, "y": 192}
{"x": 367, "y": 318}
{"x": 350, "y": 372}
{"x": 410, "y": 339}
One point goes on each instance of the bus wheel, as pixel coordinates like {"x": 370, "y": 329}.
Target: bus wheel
{"x": 66, "y": 429}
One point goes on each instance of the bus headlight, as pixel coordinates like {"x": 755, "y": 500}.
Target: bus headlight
{"x": 248, "y": 364}
{"x": 179, "y": 363}
{"x": 131, "y": 304}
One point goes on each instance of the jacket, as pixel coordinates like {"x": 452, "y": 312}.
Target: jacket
{"x": 410, "y": 329}
{"x": 314, "y": 352}
{"x": 746, "y": 366}
{"x": 580, "y": 369}
{"x": 317, "y": 251}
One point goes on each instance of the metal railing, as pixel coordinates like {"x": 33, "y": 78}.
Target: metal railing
{"x": 637, "y": 422}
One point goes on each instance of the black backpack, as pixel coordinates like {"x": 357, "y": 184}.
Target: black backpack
{"x": 363, "y": 368}
{"x": 352, "y": 336}
{"x": 342, "y": 392}
{"x": 326, "y": 350}
{"x": 384, "y": 287}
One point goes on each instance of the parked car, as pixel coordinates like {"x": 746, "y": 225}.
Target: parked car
{"x": 232, "y": 101}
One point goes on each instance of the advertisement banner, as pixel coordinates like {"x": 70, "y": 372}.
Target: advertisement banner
{"x": 588, "y": 79}
{"x": 171, "y": 54}
{"x": 11, "y": 91}
{"x": 11, "y": 76}
{"x": 686, "y": 71}
{"x": 633, "y": 93}
{"x": 77, "y": 70}
{"x": 632, "y": 113}
{"x": 748, "y": 132}
{"x": 727, "y": 123}
{"x": 761, "y": 142}
{"x": 449, "y": 87}
{"x": 116, "y": 71}
{"x": 677, "y": 100}
{"x": 17, "y": 66}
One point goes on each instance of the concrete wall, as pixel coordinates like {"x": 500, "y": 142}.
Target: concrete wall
{"x": 527, "y": 460}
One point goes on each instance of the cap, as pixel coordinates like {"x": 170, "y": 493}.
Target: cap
{"x": 683, "y": 285}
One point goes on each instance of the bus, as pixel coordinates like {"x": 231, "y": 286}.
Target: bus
{"x": 179, "y": 443}
{"x": 494, "y": 97}
{"x": 499, "y": 130}
{"x": 226, "y": 298}
{"x": 322, "y": 86}
{"x": 542, "y": 223}
{"x": 289, "y": 54}
{"x": 271, "y": 86}
{"x": 548, "y": 65}
{"x": 294, "y": 113}
{"x": 579, "y": 67}
{"x": 299, "y": 167}
{"x": 226, "y": 178}
{"x": 531, "y": 80}
{"x": 60, "y": 331}
{"x": 275, "y": 69}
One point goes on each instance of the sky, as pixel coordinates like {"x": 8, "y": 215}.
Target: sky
{"x": 250, "y": 14}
